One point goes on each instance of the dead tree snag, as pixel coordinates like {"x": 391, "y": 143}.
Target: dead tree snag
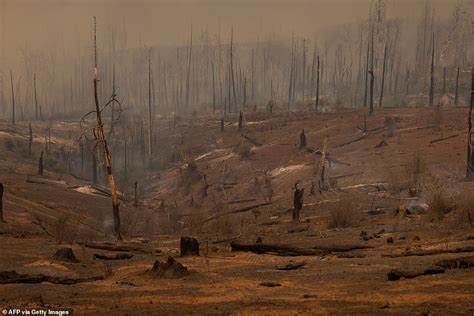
{"x": 297, "y": 203}
{"x": 40, "y": 164}
{"x": 1, "y": 204}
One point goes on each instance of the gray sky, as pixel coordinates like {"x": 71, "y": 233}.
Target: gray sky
{"x": 40, "y": 23}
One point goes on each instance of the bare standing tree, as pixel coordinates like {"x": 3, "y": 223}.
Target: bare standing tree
{"x": 371, "y": 73}
{"x": 431, "y": 100}
{"x": 1, "y": 204}
{"x": 470, "y": 155}
{"x": 100, "y": 137}
{"x": 13, "y": 98}
{"x": 456, "y": 89}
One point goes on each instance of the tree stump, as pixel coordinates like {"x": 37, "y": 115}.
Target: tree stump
{"x": 65, "y": 254}
{"x": 302, "y": 139}
{"x": 297, "y": 203}
{"x": 240, "y": 120}
{"x": 169, "y": 269}
{"x": 40, "y": 165}
{"x": 189, "y": 247}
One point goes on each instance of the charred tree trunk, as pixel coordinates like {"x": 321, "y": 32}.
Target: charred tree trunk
{"x": 36, "y": 99}
{"x": 150, "y": 117}
{"x": 470, "y": 156}
{"x": 444, "y": 80}
{"x": 13, "y": 98}
{"x": 383, "y": 75}
{"x": 366, "y": 88}
{"x": 1, "y": 204}
{"x": 213, "y": 89}
{"x": 40, "y": 164}
{"x": 431, "y": 100}
{"x": 190, "y": 54}
{"x": 101, "y": 135}
{"x": 240, "y": 120}
{"x": 317, "y": 84}
{"x": 30, "y": 142}
{"x": 297, "y": 203}
{"x": 81, "y": 145}
{"x": 94, "y": 166}
{"x": 290, "y": 86}
{"x": 456, "y": 89}
{"x": 302, "y": 139}
{"x": 135, "y": 199}
{"x": 371, "y": 73}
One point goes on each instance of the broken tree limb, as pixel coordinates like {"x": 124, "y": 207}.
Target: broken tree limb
{"x": 347, "y": 175}
{"x": 421, "y": 252}
{"x": 395, "y": 275}
{"x": 283, "y": 250}
{"x": 409, "y": 129}
{"x": 443, "y": 138}
{"x": 118, "y": 256}
{"x": 378, "y": 186}
{"x": 457, "y": 263}
{"x": 7, "y": 277}
{"x": 242, "y": 201}
{"x": 111, "y": 247}
{"x": 239, "y": 210}
{"x": 292, "y": 265}
{"x": 352, "y": 141}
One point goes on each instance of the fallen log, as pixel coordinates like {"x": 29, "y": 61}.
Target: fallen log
{"x": 118, "y": 256}
{"x": 352, "y": 141}
{"x": 457, "y": 263}
{"x": 292, "y": 266}
{"x": 409, "y": 129}
{"x": 7, "y": 277}
{"x": 270, "y": 284}
{"x": 275, "y": 249}
{"x": 443, "y": 138}
{"x": 241, "y": 201}
{"x": 239, "y": 210}
{"x": 282, "y": 250}
{"x": 421, "y": 252}
{"x": 111, "y": 247}
{"x": 395, "y": 275}
{"x": 377, "y": 186}
{"x": 347, "y": 175}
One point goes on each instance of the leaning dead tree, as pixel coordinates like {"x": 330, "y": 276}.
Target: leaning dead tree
{"x": 100, "y": 139}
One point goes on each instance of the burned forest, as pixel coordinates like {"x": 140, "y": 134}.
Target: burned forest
{"x": 260, "y": 157}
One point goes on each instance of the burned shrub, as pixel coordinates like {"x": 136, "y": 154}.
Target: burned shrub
{"x": 343, "y": 213}
{"x": 440, "y": 204}
{"x": 243, "y": 150}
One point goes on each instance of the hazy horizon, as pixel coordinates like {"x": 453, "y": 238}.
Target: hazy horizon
{"x": 35, "y": 25}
